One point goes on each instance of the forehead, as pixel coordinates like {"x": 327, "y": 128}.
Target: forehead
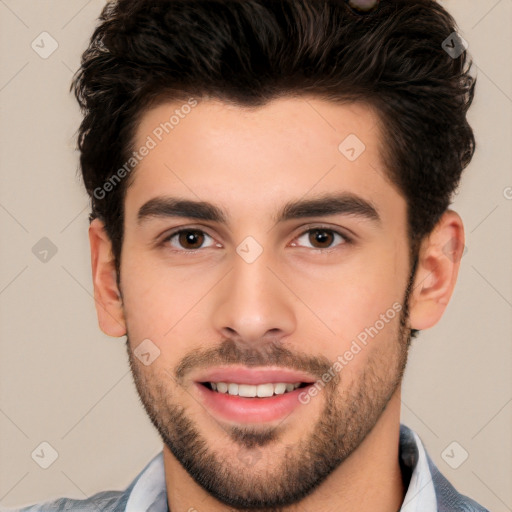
{"x": 253, "y": 159}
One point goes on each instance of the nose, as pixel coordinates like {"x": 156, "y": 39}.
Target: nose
{"x": 253, "y": 304}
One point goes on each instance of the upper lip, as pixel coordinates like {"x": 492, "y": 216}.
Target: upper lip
{"x": 255, "y": 376}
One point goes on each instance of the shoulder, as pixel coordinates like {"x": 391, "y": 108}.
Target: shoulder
{"x": 448, "y": 499}
{"x": 147, "y": 487}
{"x": 427, "y": 478}
{"x": 105, "y": 501}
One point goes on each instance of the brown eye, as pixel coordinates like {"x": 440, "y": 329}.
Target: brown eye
{"x": 191, "y": 239}
{"x": 320, "y": 238}
{"x": 188, "y": 240}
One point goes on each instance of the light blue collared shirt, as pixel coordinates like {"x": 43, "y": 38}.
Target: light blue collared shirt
{"x": 149, "y": 492}
{"x": 428, "y": 489}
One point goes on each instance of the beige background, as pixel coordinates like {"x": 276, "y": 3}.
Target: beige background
{"x": 64, "y": 382}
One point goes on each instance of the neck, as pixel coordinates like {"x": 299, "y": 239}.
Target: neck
{"x": 369, "y": 479}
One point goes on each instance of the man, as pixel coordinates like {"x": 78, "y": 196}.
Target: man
{"x": 270, "y": 227}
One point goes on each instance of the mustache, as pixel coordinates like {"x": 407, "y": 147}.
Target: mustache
{"x": 266, "y": 354}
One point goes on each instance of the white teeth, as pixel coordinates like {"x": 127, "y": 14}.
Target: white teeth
{"x": 222, "y": 387}
{"x": 265, "y": 390}
{"x": 247, "y": 390}
{"x": 251, "y": 391}
{"x": 280, "y": 388}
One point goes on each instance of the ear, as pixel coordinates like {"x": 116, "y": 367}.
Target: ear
{"x": 438, "y": 266}
{"x": 107, "y": 296}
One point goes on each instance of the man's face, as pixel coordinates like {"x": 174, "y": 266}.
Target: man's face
{"x": 267, "y": 294}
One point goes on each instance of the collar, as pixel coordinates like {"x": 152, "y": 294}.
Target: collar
{"x": 149, "y": 492}
{"x": 421, "y": 494}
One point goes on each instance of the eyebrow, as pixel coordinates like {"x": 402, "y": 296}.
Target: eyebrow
{"x": 326, "y": 205}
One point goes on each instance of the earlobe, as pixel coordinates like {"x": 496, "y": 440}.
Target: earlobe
{"x": 107, "y": 296}
{"x": 438, "y": 266}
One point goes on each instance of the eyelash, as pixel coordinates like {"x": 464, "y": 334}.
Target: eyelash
{"x": 345, "y": 239}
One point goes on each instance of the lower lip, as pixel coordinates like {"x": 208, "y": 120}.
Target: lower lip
{"x": 250, "y": 410}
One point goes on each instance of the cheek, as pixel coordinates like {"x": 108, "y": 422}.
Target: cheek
{"x": 161, "y": 304}
{"x": 348, "y": 298}
{"x": 354, "y": 310}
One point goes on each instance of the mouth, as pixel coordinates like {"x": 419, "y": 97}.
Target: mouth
{"x": 265, "y": 390}
{"x": 247, "y": 395}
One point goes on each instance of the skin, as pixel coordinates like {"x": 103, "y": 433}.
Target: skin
{"x": 295, "y": 306}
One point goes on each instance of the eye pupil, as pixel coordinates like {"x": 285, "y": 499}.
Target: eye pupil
{"x": 191, "y": 238}
{"x": 321, "y": 237}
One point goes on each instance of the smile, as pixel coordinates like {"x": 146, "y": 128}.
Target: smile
{"x": 249, "y": 403}
{"x": 251, "y": 391}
